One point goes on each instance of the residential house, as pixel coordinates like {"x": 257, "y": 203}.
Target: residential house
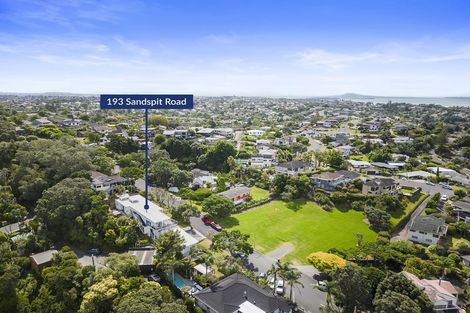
{"x": 292, "y": 168}
{"x": 462, "y": 209}
{"x": 385, "y": 166}
{"x": 329, "y": 180}
{"x": 223, "y": 131}
{"x": 104, "y": 183}
{"x": 416, "y": 175}
{"x": 203, "y": 179}
{"x": 285, "y": 141}
{"x": 255, "y": 132}
{"x": 144, "y": 258}
{"x": 379, "y": 186}
{"x": 357, "y": 165}
{"x": 237, "y": 194}
{"x": 42, "y": 260}
{"x": 441, "y": 292}
{"x": 427, "y": 230}
{"x": 345, "y": 150}
{"x": 152, "y": 222}
{"x": 466, "y": 260}
{"x": 177, "y": 133}
{"x": 40, "y": 122}
{"x": 402, "y": 139}
{"x": 238, "y": 294}
{"x": 74, "y": 123}
{"x": 11, "y": 228}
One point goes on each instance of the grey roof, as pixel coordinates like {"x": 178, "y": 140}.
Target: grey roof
{"x": 384, "y": 165}
{"x": 233, "y": 192}
{"x": 144, "y": 256}
{"x": 198, "y": 173}
{"x": 43, "y": 257}
{"x": 336, "y": 175}
{"x": 427, "y": 224}
{"x": 462, "y": 205}
{"x": 227, "y": 295}
{"x": 294, "y": 164}
{"x": 100, "y": 178}
{"x": 377, "y": 182}
{"x": 466, "y": 257}
{"x": 8, "y": 229}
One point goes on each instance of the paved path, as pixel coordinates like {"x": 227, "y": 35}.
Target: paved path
{"x": 238, "y": 139}
{"x": 403, "y": 233}
{"x": 281, "y": 251}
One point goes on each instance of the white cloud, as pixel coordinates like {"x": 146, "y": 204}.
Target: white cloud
{"x": 223, "y": 38}
{"x": 333, "y": 60}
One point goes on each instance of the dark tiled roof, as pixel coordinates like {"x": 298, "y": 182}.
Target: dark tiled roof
{"x": 384, "y": 182}
{"x": 427, "y": 224}
{"x": 227, "y": 295}
{"x": 233, "y": 192}
{"x": 100, "y": 178}
{"x": 294, "y": 164}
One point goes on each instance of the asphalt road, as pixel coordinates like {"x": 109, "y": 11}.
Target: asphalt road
{"x": 306, "y": 297}
{"x": 425, "y": 187}
{"x": 403, "y": 233}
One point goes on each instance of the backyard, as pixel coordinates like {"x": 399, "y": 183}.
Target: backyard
{"x": 397, "y": 216}
{"x": 301, "y": 223}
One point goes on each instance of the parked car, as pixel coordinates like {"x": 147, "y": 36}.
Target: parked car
{"x": 241, "y": 256}
{"x": 447, "y": 187}
{"x": 321, "y": 284}
{"x": 216, "y": 226}
{"x": 154, "y": 277}
{"x": 94, "y": 251}
{"x": 262, "y": 275}
{"x": 206, "y": 220}
{"x": 280, "y": 287}
{"x": 444, "y": 198}
{"x": 430, "y": 183}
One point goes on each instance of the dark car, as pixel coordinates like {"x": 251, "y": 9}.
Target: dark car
{"x": 207, "y": 220}
{"x": 154, "y": 277}
{"x": 217, "y": 227}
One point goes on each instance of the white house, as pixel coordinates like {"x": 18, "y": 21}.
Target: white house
{"x": 402, "y": 139}
{"x": 441, "y": 292}
{"x": 255, "y": 132}
{"x": 152, "y": 222}
{"x": 358, "y": 165}
{"x": 427, "y": 230}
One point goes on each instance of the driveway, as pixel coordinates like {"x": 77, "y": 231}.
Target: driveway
{"x": 86, "y": 259}
{"x": 306, "y": 297}
{"x": 425, "y": 187}
{"x": 403, "y": 233}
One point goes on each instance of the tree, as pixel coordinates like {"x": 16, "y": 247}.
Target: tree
{"x": 104, "y": 164}
{"x": 333, "y": 158}
{"x": 151, "y": 297}
{"x": 9, "y": 276}
{"x": 218, "y": 206}
{"x": 158, "y": 120}
{"x": 216, "y": 157}
{"x": 398, "y": 283}
{"x": 10, "y": 210}
{"x": 292, "y": 276}
{"x": 169, "y": 251}
{"x": 274, "y": 271}
{"x": 123, "y": 263}
{"x": 122, "y": 145}
{"x": 392, "y": 301}
{"x": 120, "y": 233}
{"x": 233, "y": 241}
{"x": 324, "y": 261}
{"x": 379, "y": 155}
{"x": 61, "y": 204}
{"x": 99, "y": 298}
{"x": 378, "y": 218}
{"x": 7, "y": 153}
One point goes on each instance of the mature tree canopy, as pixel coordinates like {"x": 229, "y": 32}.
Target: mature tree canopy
{"x": 233, "y": 241}
{"x": 217, "y": 206}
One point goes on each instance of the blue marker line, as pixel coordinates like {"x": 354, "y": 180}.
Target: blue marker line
{"x": 146, "y": 206}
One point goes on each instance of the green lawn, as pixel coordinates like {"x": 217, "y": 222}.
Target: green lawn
{"x": 258, "y": 193}
{"x": 398, "y": 215}
{"x": 361, "y": 157}
{"x": 301, "y": 223}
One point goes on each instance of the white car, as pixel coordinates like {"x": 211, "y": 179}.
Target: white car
{"x": 444, "y": 198}
{"x": 280, "y": 287}
{"x": 430, "y": 183}
{"x": 321, "y": 285}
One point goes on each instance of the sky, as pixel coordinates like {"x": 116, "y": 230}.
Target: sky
{"x": 236, "y": 47}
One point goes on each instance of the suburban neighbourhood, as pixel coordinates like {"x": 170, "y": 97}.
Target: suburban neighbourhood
{"x": 243, "y": 215}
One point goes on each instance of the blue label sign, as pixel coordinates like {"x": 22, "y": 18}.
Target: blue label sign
{"x": 130, "y": 102}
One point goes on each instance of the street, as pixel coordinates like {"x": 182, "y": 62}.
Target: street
{"x": 425, "y": 187}
{"x": 402, "y": 234}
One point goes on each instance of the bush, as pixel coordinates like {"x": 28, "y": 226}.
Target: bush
{"x": 326, "y": 261}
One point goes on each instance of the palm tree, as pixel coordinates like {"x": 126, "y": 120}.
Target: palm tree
{"x": 274, "y": 270}
{"x": 292, "y": 276}
{"x": 330, "y": 305}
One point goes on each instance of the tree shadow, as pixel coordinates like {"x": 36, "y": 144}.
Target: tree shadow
{"x": 229, "y": 222}
{"x": 295, "y": 205}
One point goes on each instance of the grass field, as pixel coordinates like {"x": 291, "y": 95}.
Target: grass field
{"x": 258, "y": 193}
{"x": 303, "y": 224}
{"x": 398, "y": 215}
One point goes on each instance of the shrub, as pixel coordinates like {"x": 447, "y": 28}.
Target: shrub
{"x": 326, "y": 261}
